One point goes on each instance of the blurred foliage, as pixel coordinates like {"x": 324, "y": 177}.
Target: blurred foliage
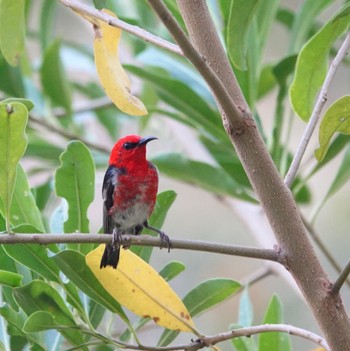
{"x": 50, "y": 97}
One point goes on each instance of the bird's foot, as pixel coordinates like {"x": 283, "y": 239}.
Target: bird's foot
{"x": 116, "y": 239}
{"x": 165, "y": 240}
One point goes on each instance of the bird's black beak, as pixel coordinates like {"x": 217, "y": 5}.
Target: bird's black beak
{"x": 145, "y": 140}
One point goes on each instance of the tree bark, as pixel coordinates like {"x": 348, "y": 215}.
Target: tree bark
{"x": 275, "y": 198}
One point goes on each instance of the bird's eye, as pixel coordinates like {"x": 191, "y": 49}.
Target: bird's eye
{"x": 129, "y": 146}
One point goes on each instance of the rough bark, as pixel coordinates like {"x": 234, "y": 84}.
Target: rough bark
{"x": 275, "y": 198}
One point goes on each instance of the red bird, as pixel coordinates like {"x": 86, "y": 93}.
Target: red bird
{"x": 129, "y": 194}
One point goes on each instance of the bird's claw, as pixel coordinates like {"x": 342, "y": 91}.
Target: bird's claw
{"x": 165, "y": 240}
{"x": 116, "y": 239}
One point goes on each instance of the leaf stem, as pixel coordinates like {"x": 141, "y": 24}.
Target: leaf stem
{"x": 321, "y": 100}
{"x": 341, "y": 279}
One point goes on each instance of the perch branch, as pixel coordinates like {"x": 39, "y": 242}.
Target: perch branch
{"x": 143, "y": 240}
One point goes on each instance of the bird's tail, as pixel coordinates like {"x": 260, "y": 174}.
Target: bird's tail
{"x": 110, "y": 256}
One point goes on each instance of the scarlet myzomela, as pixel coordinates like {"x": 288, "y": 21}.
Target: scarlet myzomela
{"x": 129, "y": 194}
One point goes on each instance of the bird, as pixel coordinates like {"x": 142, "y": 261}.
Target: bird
{"x": 129, "y": 192}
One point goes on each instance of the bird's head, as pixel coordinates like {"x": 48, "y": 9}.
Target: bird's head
{"x": 129, "y": 151}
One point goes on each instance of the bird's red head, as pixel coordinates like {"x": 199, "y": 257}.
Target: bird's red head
{"x": 129, "y": 151}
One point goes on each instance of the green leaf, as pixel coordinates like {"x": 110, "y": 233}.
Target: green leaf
{"x": 13, "y": 142}
{"x": 274, "y": 341}
{"x": 12, "y": 30}
{"x": 46, "y": 22}
{"x": 171, "y": 270}
{"x": 245, "y": 317}
{"x": 40, "y": 321}
{"x": 27, "y": 103}
{"x": 208, "y": 177}
{"x": 54, "y": 79}
{"x": 180, "y": 96}
{"x": 241, "y": 14}
{"x": 336, "y": 119}
{"x": 201, "y": 298}
{"x": 163, "y": 204}
{"x": 303, "y": 22}
{"x": 75, "y": 181}
{"x": 23, "y": 208}
{"x": 312, "y": 63}
{"x": 72, "y": 264}
{"x": 15, "y": 321}
{"x": 40, "y": 296}
{"x": 11, "y": 82}
{"x": 34, "y": 257}
{"x": 10, "y": 278}
{"x": 267, "y": 81}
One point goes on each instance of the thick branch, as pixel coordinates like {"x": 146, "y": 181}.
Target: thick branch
{"x": 143, "y": 240}
{"x": 315, "y": 116}
{"x": 112, "y": 21}
{"x": 275, "y": 198}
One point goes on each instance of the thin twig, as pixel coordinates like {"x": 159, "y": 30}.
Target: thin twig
{"x": 208, "y": 341}
{"x": 321, "y": 100}
{"x": 144, "y": 240}
{"x": 223, "y": 98}
{"x": 341, "y": 279}
{"x": 112, "y": 21}
{"x": 70, "y": 136}
{"x": 84, "y": 106}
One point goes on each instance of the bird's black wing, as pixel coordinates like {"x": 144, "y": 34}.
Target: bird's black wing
{"x": 110, "y": 182}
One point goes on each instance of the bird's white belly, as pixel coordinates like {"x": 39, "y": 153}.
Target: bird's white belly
{"x": 132, "y": 216}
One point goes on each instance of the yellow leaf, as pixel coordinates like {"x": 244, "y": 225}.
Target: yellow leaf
{"x": 138, "y": 287}
{"x": 114, "y": 79}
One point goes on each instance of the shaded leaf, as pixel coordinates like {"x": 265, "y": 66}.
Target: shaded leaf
{"x": 72, "y": 264}
{"x": 171, "y": 270}
{"x": 13, "y": 142}
{"x": 241, "y": 14}
{"x": 54, "y": 79}
{"x": 274, "y": 341}
{"x": 10, "y": 278}
{"x": 42, "y": 320}
{"x": 164, "y": 201}
{"x": 75, "y": 181}
{"x": 211, "y": 178}
{"x": 201, "y": 298}
{"x": 12, "y": 30}
{"x": 312, "y": 63}
{"x": 151, "y": 296}
{"x": 336, "y": 119}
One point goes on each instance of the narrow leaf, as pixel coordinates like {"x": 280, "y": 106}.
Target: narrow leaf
{"x": 72, "y": 264}
{"x": 211, "y": 178}
{"x": 138, "y": 287}
{"x": 312, "y": 63}
{"x": 245, "y": 318}
{"x": 201, "y": 298}
{"x": 41, "y": 321}
{"x": 54, "y": 79}
{"x": 241, "y": 14}
{"x": 23, "y": 208}
{"x": 163, "y": 204}
{"x": 10, "y": 278}
{"x": 171, "y": 270}
{"x": 336, "y": 119}
{"x": 12, "y": 30}
{"x": 34, "y": 257}
{"x": 274, "y": 341}
{"x": 113, "y": 78}
{"x": 74, "y": 181}
{"x": 13, "y": 142}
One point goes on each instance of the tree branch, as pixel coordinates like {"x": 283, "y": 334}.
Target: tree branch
{"x": 341, "y": 279}
{"x": 143, "y": 240}
{"x": 208, "y": 341}
{"x": 112, "y": 21}
{"x": 60, "y": 131}
{"x": 275, "y": 197}
{"x": 315, "y": 116}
